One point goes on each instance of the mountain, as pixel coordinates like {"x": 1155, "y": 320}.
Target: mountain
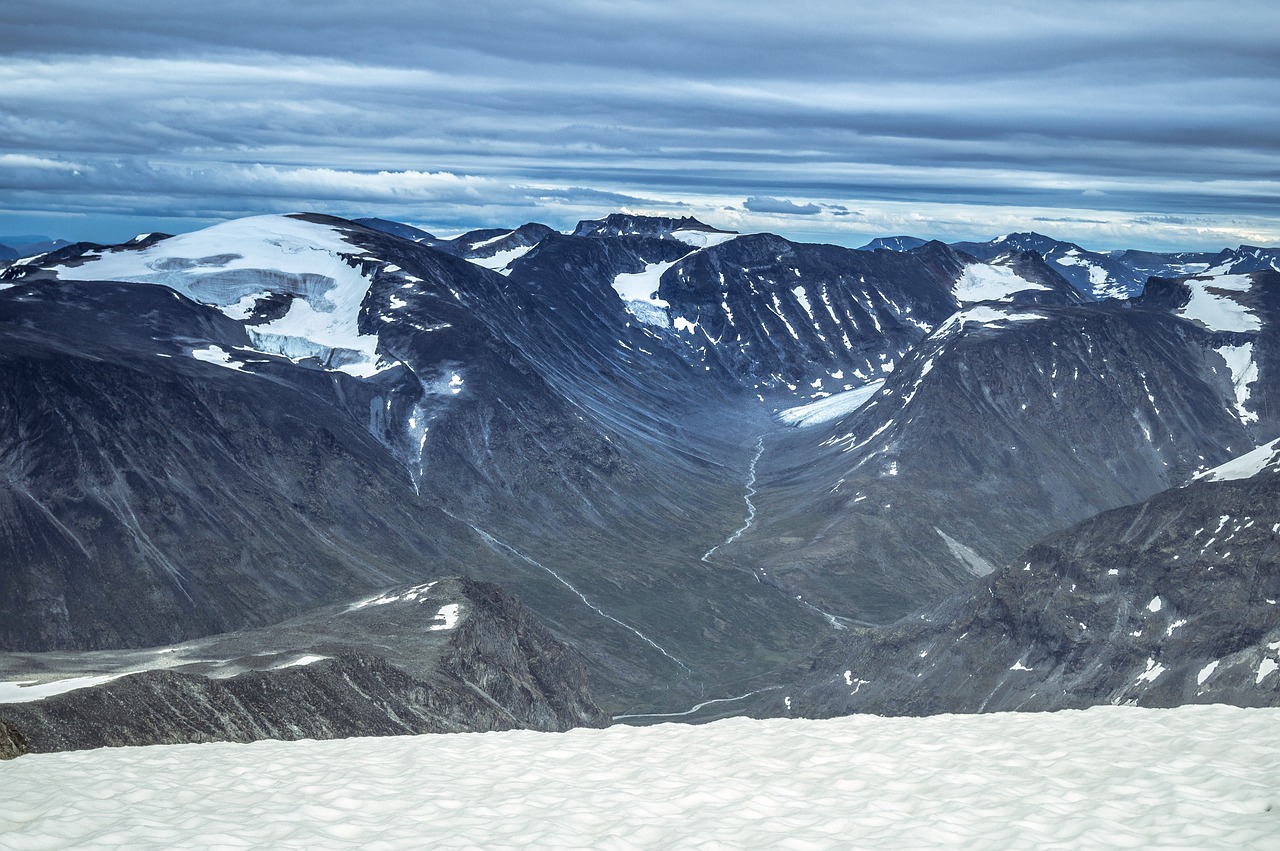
{"x": 625, "y": 224}
{"x": 277, "y": 413}
{"x": 1166, "y": 602}
{"x": 791, "y": 319}
{"x": 27, "y": 245}
{"x": 447, "y": 656}
{"x": 1244, "y": 259}
{"x": 693, "y": 454}
{"x": 1093, "y": 274}
{"x": 894, "y": 243}
{"x": 403, "y": 231}
{"x": 1006, "y": 423}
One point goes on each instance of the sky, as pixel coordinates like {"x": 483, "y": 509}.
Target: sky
{"x": 1113, "y": 124}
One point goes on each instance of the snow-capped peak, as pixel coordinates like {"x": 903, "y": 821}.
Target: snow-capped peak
{"x": 234, "y": 264}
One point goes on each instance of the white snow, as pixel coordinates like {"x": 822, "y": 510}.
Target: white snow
{"x": 1107, "y": 777}
{"x": 25, "y": 691}
{"x": 991, "y": 282}
{"x": 412, "y": 595}
{"x": 1244, "y": 372}
{"x": 1155, "y": 605}
{"x": 1098, "y": 277}
{"x": 302, "y": 661}
{"x": 1265, "y": 667}
{"x": 217, "y": 356}
{"x": 476, "y": 246}
{"x": 1154, "y": 670}
{"x": 701, "y": 238}
{"x": 639, "y": 292}
{"x": 1206, "y": 672}
{"x": 1213, "y": 308}
{"x": 985, "y": 316}
{"x": 1247, "y": 465}
{"x": 225, "y": 264}
{"x": 500, "y": 261}
{"x": 446, "y": 618}
{"x": 833, "y": 407}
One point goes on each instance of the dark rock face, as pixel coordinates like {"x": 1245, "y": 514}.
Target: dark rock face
{"x": 990, "y": 436}
{"x": 496, "y": 668}
{"x": 893, "y": 243}
{"x": 525, "y": 425}
{"x": 1171, "y": 601}
{"x": 623, "y": 224}
{"x": 396, "y": 229}
{"x": 12, "y": 743}
{"x": 227, "y": 499}
{"x": 777, "y": 314}
{"x": 155, "y": 499}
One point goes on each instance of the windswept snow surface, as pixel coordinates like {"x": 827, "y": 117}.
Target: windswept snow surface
{"x": 831, "y": 408}
{"x": 991, "y": 282}
{"x": 1107, "y": 777}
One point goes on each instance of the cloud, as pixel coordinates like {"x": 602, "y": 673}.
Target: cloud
{"x": 765, "y": 204}
{"x": 518, "y": 111}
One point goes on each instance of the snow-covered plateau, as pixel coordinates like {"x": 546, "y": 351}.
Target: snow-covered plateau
{"x": 1107, "y": 777}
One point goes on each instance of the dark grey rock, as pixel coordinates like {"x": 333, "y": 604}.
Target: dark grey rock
{"x": 497, "y": 668}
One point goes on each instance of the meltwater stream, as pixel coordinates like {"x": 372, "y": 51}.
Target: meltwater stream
{"x": 751, "y": 506}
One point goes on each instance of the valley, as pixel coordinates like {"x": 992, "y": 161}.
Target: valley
{"x": 728, "y": 473}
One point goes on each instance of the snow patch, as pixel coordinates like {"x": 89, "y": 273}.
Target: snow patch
{"x": 446, "y": 618}
{"x": 1244, "y": 372}
{"x": 25, "y": 691}
{"x": 1248, "y": 465}
{"x": 702, "y": 238}
{"x": 217, "y": 356}
{"x": 639, "y": 292}
{"x": 833, "y": 407}
{"x": 501, "y": 261}
{"x": 1212, "y": 307}
{"x": 991, "y": 282}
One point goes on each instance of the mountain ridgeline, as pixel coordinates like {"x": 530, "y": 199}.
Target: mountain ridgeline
{"x": 698, "y": 457}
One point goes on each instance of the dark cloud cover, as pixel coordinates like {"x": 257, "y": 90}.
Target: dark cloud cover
{"x": 765, "y": 204}
{"x": 1134, "y": 123}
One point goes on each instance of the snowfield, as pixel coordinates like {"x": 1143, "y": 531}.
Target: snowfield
{"x": 1108, "y": 777}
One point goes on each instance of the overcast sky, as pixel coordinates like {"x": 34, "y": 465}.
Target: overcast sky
{"x": 1115, "y": 124}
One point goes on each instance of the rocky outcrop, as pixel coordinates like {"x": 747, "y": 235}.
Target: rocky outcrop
{"x": 1171, "y": 601}
{"x": 475, "y": 660}
{"x": 12, "y": 743}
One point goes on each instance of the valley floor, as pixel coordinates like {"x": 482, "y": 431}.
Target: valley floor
{"x": 1107, "y": 777}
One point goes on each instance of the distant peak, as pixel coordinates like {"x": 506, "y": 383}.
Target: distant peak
{"x": 626, "y": 224}
{"x": 395, "y": 229}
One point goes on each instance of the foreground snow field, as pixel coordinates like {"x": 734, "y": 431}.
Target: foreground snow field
{"x": 1108, "y": 777}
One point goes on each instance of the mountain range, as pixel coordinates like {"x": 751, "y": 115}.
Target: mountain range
{"x": 712, "y": 465}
